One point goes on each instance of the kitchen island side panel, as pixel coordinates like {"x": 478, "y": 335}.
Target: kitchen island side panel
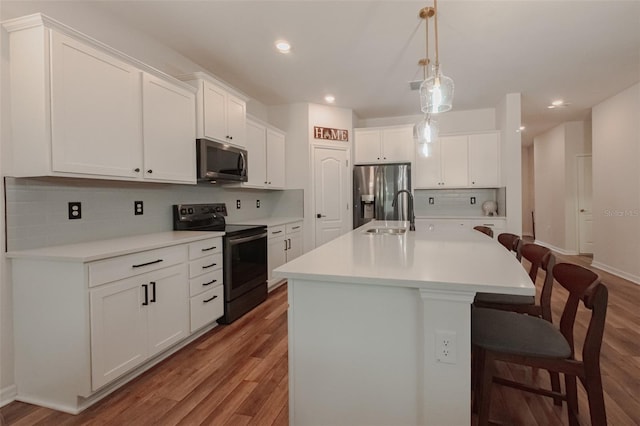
{"x": 354, "y": 353}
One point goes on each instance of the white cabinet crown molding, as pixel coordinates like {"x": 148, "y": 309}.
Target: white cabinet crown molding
{"x": 40, "y": 19}
{"x": 200, "y": 75}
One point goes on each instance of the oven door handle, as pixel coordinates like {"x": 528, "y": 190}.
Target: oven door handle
{"x": 247, "y": 239}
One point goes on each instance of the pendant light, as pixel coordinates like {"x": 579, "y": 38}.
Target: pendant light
{"x": 436, "y": 91}
{"x": 426, "y": 131}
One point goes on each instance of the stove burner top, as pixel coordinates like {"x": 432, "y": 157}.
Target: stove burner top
{"x": 208, "y": 217}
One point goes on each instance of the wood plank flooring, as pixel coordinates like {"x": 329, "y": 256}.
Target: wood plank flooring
{"x": 237, "y": 375}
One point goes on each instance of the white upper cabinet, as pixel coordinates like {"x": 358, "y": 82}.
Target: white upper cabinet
{"x": 257, "y": 155}
{"x": 266, "y": 151}
{"x": 459, "y": 162}
{"x": 484, "y": 160}
{"x": 275, "y": 159}
{"x": 444, "y": 165}
{"x": 384, "y": 145}
{"x": 454, "y": 161}
{"x": 82, "y": 109}
{"x": 169, "y": 129}
{"x": 95, "y": 111}
{"x": 221, "y": 111}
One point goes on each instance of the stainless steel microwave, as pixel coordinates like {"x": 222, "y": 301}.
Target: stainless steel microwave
{"x": 220, "y": 162}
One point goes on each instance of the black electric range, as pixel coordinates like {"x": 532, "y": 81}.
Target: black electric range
{"x": 244, "y": 255}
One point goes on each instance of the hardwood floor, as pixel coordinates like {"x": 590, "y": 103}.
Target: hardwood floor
{"x": 237, "y": 375}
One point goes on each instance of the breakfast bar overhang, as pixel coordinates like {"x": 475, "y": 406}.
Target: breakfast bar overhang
{"x": 380, "y": 322}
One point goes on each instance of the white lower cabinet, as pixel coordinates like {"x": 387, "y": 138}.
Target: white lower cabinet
{"x": 134, "y": 319}
{"x": 440, "y": 224}
{"x": 285, "y": 243}
{"x": 498, "y": 224}
{"x": 82, "y": 325}
{"x": 205, "y": 282}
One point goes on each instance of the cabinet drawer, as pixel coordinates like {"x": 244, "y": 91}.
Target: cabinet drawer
{"x": 206, "y": 264}
{"x": 206, "y": 307}
{"x": 276, "y": 231}
{"x": 294, "y": 227}
{"x": 205, "y": 247}
{"x": 108, "y": 270}
{"x": 205, "y": 282}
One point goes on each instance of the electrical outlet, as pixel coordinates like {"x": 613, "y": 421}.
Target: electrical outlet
{"x": 473, "y": 200}
{"x": 257, "y": 204}
{"x": 431, "y": 200}
{"x": 75, "y": 210}
{"x": 138, "y": 208}
{"x": 237, "y": 204}
{"x": 446, "y": 347}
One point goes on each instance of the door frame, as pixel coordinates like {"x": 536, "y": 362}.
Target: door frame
{"x": 349, "y": 183}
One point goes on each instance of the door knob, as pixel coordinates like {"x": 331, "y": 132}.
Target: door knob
{"x": 581, "y": 210}
{"x": 320, "y": 215}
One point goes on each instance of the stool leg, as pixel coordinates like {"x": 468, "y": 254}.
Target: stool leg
{"x": 555, "y": 386}
{"x": 593, "y": 386}
{"x": 485, "y": 382}
{"x": 572, "y": 400}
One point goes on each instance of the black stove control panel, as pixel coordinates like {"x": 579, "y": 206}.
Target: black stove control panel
{"x": 193, "y": 216}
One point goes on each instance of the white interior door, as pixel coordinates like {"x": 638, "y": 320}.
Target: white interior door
{"x": 331, "y": 185}
{"x": 585, "y": 214}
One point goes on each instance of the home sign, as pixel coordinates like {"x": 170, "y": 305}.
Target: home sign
{"x": 330, "y": 134}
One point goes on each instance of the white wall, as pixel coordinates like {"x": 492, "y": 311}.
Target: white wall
{"x": 508, "y": 113}
{"x": 616, "y": 184}
{"x": 528, "y": 199}
{"x": 556, "y": 184}
{"x": 549, "y": 165}
{"x": 298, "y": 121}
{"x": 476, "y": 120}
{"x": 7, "y": 388}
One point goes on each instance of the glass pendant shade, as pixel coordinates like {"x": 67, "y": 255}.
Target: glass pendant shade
{"x": 426, "y": 131}
{"x": 436, "y": 93}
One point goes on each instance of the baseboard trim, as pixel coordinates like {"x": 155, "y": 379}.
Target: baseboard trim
{"x": 8, "y": 395}
{"x": 556, "y": 249}
{"x": 617, "y": 272}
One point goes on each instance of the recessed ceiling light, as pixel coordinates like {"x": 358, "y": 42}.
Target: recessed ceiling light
{"x": 558, "y": 103}
{"x": 283, "y": 46}
{"x": 330, "y": 99}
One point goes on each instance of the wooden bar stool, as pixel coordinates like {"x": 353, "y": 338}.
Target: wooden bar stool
{"x": 484, "y": 230}
{"x": 511, "y": 242}
{"x": 527, "y": 340}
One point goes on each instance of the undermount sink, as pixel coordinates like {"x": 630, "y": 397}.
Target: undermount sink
{"x": 392, "y": 231}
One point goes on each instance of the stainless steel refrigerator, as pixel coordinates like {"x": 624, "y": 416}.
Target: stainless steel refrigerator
{"x": 374, "y": 187}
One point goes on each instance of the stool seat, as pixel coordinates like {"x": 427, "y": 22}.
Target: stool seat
{"x": 507, "y": 299}
{"x": 513, "y": 333}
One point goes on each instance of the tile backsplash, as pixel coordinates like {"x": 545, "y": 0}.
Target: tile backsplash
{"x": 37, "y": 209}
{"x": 457, "y": 202}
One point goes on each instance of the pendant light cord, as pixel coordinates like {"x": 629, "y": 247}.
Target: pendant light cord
{"x": 426, "y": 59}
{"x": 435, "y": 19}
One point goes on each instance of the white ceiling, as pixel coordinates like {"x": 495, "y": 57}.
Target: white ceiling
{"x": 366, "y": 52}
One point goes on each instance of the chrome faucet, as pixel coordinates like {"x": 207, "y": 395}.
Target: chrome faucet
{"x": 412, "y": 217}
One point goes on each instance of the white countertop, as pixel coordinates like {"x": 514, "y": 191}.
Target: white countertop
{"x": 269, "y": 221}
{"x": 462, "y": 217}
{"x": 447, "y": 259}
{"x": 102, "y": 249}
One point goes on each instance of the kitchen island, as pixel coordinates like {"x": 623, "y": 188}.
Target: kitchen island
{"x": 379, "y": 324}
